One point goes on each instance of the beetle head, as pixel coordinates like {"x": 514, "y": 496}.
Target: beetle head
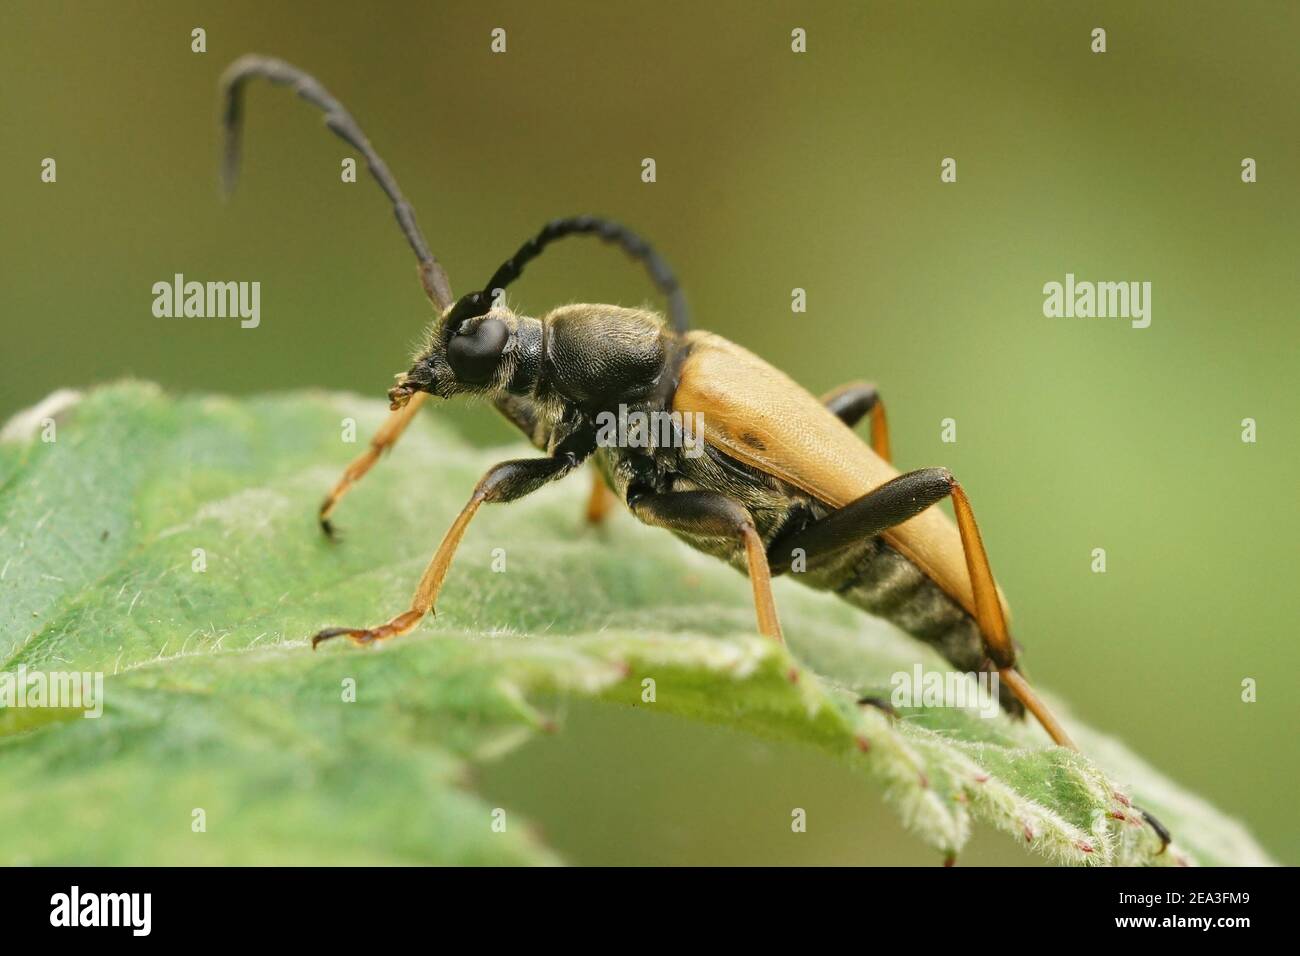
{"x": 474, "y": 351}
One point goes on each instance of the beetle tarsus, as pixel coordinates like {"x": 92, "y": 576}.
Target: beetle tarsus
{"x": 329, "y": 632}
{"x": 396, "y": 627}
{"x": 1161, "y": 830}
{"x": 323, "y": 518}
{"x": 880, "y": 704}
{"x": 399, "y": 395}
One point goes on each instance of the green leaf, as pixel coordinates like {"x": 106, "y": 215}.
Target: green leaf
{"x": 213, "y": 700}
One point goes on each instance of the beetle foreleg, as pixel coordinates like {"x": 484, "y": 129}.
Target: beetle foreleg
{"x": 516, "y": 410}
{"x": 851, "y": 402}
{"x": 384, "y": 439}
{"x": 715, "y": 515}
{"x": 504, "y": 482}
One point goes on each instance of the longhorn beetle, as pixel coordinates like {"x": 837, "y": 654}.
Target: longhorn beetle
{"x": 782, "y": 476}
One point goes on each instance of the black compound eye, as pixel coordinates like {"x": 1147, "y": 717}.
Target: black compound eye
{"x": 474, "y": 354}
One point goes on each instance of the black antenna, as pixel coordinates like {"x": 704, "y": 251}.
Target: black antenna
{"x": 478, "y": 303}
{"x": 432, "y": 276}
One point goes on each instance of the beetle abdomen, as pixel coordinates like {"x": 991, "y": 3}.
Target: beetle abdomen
{"x": 876, "y": 578}
{"x": 882, "y": 582}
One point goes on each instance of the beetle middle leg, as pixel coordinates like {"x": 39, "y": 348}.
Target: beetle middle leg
{"x": 904, "y": 498}
{"x": 601, "y": 501}
{"x": 507, "y": 481}
{"x": 712, "y": 514}
{"x": 851, "y": 402}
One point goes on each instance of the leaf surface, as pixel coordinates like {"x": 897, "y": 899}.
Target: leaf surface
{"x": 170, "y": 543}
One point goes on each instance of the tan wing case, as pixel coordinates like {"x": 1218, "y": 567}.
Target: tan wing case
{"x": 760, "y": 416}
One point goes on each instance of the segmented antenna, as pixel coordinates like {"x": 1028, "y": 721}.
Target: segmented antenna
{"x": 432, "y": 276}
{"x": 478, "y": 303}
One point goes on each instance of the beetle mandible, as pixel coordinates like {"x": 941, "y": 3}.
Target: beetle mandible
{"x": 782, "y": 473}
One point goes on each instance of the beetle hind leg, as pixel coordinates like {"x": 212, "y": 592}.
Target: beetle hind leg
{"x": 852, "y": 402}
{"x": 901, "y": 499}
{"x": 898, "y": 501}
{"x": 1160, "y": 829}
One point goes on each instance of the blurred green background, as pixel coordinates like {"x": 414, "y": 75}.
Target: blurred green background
{"x": 775, "y": 170}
